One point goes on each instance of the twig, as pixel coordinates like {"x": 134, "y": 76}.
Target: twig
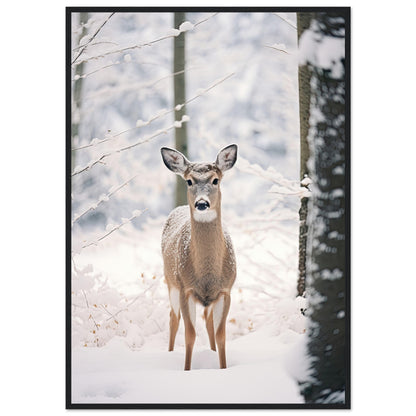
{"x": 277, "y": 49}
{"x": 95, "y": 323}
{"x": 204, "y": 20}
{"x": 96, "y": 142}
{"x": 106, "y": 310}
{"x": 139, "y": 46}
{"x": 136, "y": 214}
{"x": 102, "y": 157}
{"x": 93, "y": 44}
{"x": 86, "y": 300}
{"x": 104, "y": 198}
{"x": 92, "y": 38}
{"x": 93, "y": 72}
{"x": 158, "y": 133}
{"x": 286, "y": 20}
{"x": 134, "y": 300}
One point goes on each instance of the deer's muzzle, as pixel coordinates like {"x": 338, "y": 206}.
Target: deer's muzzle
{"x": 201, "y": 205}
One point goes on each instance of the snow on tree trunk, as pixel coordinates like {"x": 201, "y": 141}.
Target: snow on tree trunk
{"x": 304, "y": 77}
{"x": 181, "y": 141}
{"x": 322, "y": 48}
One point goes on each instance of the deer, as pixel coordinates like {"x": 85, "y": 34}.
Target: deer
{"x": 198, "y": 255}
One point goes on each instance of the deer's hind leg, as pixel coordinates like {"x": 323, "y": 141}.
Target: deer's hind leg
{"x": 175, "y": 316}
{"x": 209, "y": 323}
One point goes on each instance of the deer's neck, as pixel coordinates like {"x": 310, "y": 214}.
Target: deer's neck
{"x": 207, "y": 243}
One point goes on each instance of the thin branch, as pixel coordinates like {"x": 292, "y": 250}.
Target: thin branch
{"x": 277, "y": 49}
{"x": 220, "y": 81}
{"x": 300, "y": 192}
{"x": 270, "y": 175}
{"x": 103, "y": 198}
{"x": 204, "y": 20}
{"x": 86, "y": 300}
{"x": 77, "y": 77}
{"x": 106, "y": 310}
{"x": 126, "y": 87}
{"x": 92, "y": 38}
{"x": 95, "y": 323}
{"x": 95, "y": 142}
{"x": 94, "y": 44}
{"x": 286, "y": 20}
{"x": 104, "y": 156}
{"x": 134, "y": 300}
{"x": 140, "y": 46}
{"x": 158, "y": 133}
{"x": 136, "y": 213}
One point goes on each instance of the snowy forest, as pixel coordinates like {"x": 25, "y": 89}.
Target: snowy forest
{"x": 275, "y": 84}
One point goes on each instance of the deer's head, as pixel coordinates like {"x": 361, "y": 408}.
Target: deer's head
{"x": 203, "y": 179}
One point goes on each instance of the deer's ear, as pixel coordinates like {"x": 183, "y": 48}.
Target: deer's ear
{"x": 174, "y": 160}
{"x": 226, "y": 157}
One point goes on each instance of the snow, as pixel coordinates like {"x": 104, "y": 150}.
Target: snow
{"x": 322, "y": 51}
{"x": 120, "y": 300}
{"x": 125, "y": 358}
{"x": 185, "y": 26}
{"x": 257, "y": 373}
{"x": 306, "y": 181}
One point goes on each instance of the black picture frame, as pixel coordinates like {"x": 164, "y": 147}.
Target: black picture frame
{"x": 346, "y": 11}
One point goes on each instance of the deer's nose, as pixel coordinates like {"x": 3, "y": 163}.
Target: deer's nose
{"x": 201, "y": 205}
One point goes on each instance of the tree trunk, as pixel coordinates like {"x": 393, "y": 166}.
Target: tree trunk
{"x": 181, "y": 141}
{"x": 77, "y": 94}
{"x": 304, "y": 77}
{"x": 326, "y": 268}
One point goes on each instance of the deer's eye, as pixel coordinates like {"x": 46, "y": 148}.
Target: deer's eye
{"x": 189, "y": 182}
{"x": 215, "y": 181}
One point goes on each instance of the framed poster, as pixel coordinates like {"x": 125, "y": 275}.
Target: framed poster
{"x": 240, "y": 299}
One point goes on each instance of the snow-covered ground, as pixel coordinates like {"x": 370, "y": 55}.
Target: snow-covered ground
{"x": 261, "y": 366}
{"x": 121, "y": 199}
{"x": 120, "y": 324}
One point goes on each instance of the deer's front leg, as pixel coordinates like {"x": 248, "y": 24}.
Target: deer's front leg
{"x": 220, "y": 312}
{"x": 175, "y": 316}
{"x": 189, "y": 314}
{"x": 209, "y": 323}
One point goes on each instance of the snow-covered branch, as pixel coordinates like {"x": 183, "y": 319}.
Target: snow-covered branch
{"x": 184, "y": 27}
{"x": 103, "y": 198}
{"x": 286, "y": 20}
{"x": 100, "y": 159}
{"x": 76, "y": 48}
{"x": 159, "y": 114}
{"x": 92, "y": 38}
{"x": 270, "y": 174}
{"x": 278, "y": 47}
{"x": 110, "y": 229}
{"x": 139, "y": 296}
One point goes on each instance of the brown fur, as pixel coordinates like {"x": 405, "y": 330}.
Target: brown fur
{"x": 199, "y": 260}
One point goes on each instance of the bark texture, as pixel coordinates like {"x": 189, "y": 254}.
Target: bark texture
{"x": 181, "y": 138}
{"x": 327, "y": 271}
{"x": 304, "y": 81}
